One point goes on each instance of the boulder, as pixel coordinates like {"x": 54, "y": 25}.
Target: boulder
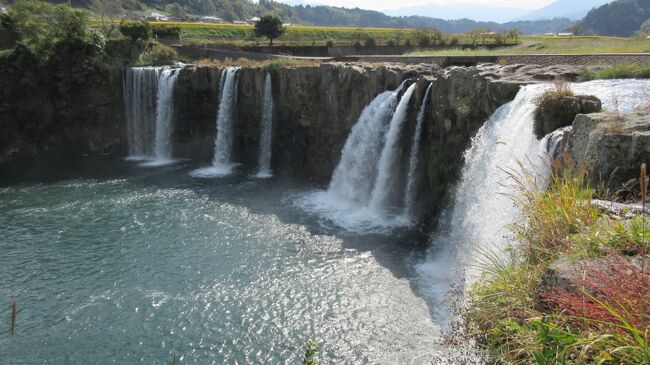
{"x": 556, "y": 111}
{"x": 612, "y": 146}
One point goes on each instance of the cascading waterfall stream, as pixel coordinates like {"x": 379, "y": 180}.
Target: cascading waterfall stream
{"x": 140, "y": 93}
{"x": 149, "y": 104}
{"x": 266, "y": 130}
{"x": 475, "y": 225}
{"x": 221, "y": 163}
{"x": 164, "y": 118}
{"x": 385, "y": 188}
{"x": 368, "y": 157}
{"x": 355, "y": 174}
{"x": 414, "y": 159}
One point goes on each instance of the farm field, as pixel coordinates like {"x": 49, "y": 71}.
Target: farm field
{"x": 300, "y": 35}
{"x": 235, "y": 35}
{"x": 554, "y": 45}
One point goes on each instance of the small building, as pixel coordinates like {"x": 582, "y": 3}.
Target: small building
{"x": 566, "y": 34}
{"x": 550, "y": 34}
{"x": 239, "y": 22}
{"x": 210, "y": 19}
{"x": 253, "y": 20}
{"x": 153, "y": 16}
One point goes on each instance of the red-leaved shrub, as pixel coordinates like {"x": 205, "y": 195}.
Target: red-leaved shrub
{"x": 617, "y": 293}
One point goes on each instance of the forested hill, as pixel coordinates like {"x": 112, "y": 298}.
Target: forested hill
{"x": 621, "y": 18}
{"x": 315, "y": 15}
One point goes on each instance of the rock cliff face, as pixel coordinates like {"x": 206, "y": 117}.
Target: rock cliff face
{"x": 612, "y": 146}
{"x": 557, "y": 111}
{"x": 82, "y": 117}
{"x": 314, "y": 112}
{"x": 316, "y": 107}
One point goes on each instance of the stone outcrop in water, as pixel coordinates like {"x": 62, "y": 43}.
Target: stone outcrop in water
{"x": 611, "y": 145}
{"x": 556, "y": 111}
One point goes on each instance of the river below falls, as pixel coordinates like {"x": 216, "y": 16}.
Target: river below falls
{"x": 111, "y": 262}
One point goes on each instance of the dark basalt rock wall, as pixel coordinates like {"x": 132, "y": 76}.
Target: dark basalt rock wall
{"x": 315, "y": 108}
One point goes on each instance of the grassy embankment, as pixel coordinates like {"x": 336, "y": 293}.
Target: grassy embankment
{"x": 555, "y": 45}
{"x": 605, "y": 319}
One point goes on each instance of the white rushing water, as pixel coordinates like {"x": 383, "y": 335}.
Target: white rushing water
{"x": 266, "y": 130}
{"x": 369, "y": 157}
{"x": 475, "y": 225}
{"x": 140, "y": 86}
{"x": 149, "y": 111}
{"x": 164, "y": 118}
{"x": 222, "y": 164}
{"x": 414, "y": 160}
{"x": 386, "y": 187}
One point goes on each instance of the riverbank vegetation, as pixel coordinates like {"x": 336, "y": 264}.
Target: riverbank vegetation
{"x": 521, "y": 314}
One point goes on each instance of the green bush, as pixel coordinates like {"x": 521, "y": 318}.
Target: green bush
{"x": 166, "y": 31}
{"x": 136, "y": 31}
{"x": 370, "y": 42}
{"x": 624, "y": 72}
{"x": 158, "y": 55}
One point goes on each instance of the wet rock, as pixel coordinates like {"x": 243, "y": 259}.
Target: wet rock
{"x": 557, "y": 111}
{"x": 612, "y": 146}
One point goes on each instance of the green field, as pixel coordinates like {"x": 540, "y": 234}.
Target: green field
{"x": 298, "y": 35}
{"x": 555, "y": 45}
{"x": 301, "y": 35}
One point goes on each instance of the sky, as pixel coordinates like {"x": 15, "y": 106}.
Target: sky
{"x": 392, "y": 4}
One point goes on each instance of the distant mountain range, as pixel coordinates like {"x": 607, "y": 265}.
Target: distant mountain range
{"x": 620, "y": 18}
{"x": 570, "y": 9}
{"x": 477, "y": 12}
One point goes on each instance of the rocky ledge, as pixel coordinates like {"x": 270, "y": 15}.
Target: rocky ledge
{"x": 612, "y": 146}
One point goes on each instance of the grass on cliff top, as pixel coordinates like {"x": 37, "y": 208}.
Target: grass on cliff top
{"x": 606, "y": 321}
{"x": 617, "y": 72}
{"x": 555, "y": 45}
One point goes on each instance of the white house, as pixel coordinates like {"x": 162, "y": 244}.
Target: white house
{"x": 157, "y": 17}
{"x": 567, "y": 34}
{"x": 210, "y": 19}
{"x": 241, "y": 22}
{"x": 253, "y": 20}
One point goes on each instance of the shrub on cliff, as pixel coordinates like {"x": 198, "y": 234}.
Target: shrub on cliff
{"x": 558, "y": 107}
{"x": 136, "y": 31}
{"x": 158, "y": 54}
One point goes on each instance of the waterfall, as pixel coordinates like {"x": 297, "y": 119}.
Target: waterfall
{"x": 355, "y": 174}
{"x": 385, "y": 188}
{"x": 164, "y": 118}
{"x": 371, "y": 147}
{"x": 475, "y": 225}
{"x": 149, "y": 111}
{"x": 221, "y": 162}
{"x": 411, "y": 179}
{"x": 266, "y": 130}
{"x": 140, "y": 92}
{"x": 554, "y": 141}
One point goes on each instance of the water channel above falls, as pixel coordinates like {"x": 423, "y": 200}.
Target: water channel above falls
{"x": 109, "y": 261}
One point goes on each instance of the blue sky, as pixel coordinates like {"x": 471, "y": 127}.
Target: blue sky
{"x": 392, "y": 4}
